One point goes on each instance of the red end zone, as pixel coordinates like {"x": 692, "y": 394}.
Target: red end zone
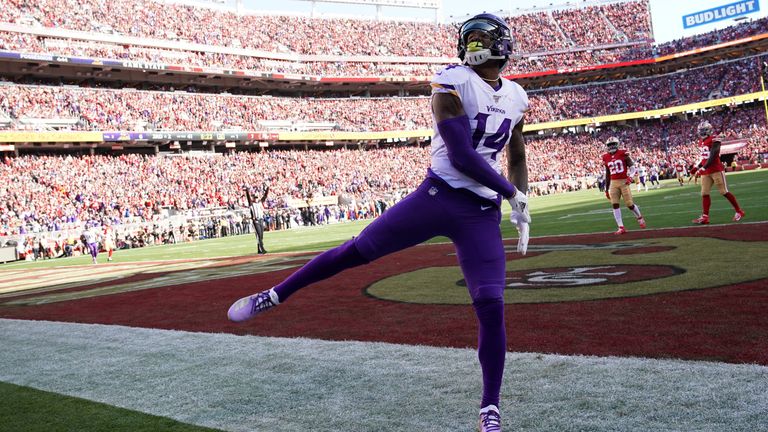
{"x": 722, "y": 323}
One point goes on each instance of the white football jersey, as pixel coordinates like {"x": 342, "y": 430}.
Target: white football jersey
{"x": 89, "y": 236}
{"x": 492, "y": 114}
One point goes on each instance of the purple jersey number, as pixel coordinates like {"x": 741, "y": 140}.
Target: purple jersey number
{"x": 495, "y": 141}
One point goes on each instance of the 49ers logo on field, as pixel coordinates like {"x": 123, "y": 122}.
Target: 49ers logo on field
{"x": 579, "y": 272}
{"x": 583, "y": 276}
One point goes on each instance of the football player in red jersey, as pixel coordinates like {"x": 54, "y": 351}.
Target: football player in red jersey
{"x": 109, "y": 240}
{"x": 712, "y": 171}
{"x": 680, "y": 171}
{"x": 617, "y": 163}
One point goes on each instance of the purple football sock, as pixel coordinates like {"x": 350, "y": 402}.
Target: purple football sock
{"x": 491, "y": 347}
{"x": 321, "y": 267}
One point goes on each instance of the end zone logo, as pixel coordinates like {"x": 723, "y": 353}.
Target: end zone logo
{"x": 582, "y": 272}
{"x": 584, "y": 276}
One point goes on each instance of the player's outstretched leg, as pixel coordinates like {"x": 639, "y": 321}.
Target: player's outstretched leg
{"x": 320, "y": 267}
{"x": 413, "y": 220}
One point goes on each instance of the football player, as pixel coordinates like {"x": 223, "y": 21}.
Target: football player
{"x": 642, "y": 173}
{"x": 91, "y": 241}
{"x": 680, "y": 171}
{"x": 712, "y": 172}
{"x": 109, "y": 240}
{"x": 655, "y": 175}
{"x": 617, "y": 164}
{"x": 476, "y": 114}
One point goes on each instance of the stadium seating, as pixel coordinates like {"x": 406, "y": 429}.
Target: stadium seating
{"x": 52, "y": 193}
{"x": 45, "y": 192}
{"x": 101, "y": 109}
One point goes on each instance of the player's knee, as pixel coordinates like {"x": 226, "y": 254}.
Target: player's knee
{"x": 490, "y": 309}
{"x": 350, "y": 253}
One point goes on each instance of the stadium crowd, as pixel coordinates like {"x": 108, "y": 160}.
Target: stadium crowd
{"x": 535, "y": 32}
{"x": 129, "y": 109}
{"x": 100, "y": 109}
{"x": 45, "y": 193}
{"x": 546, "y": 40}
{"x": 51, "y": 193}
{"x": 340, "y": 67}
{"x": 299, "y": 34}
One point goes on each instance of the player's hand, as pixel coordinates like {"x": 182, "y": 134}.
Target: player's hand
{"x": 607, "y": 194}
{"x": 629, "y": 180}
{"x": 520, "y": 213}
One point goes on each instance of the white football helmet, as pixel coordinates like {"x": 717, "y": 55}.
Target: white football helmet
{"x": 704, "y": 129}
{"x": 612, "y": 144}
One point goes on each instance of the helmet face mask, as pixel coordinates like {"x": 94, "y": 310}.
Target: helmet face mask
{"x": 612, "y": 144}
{"x": 501, "y": 44}
{"x": 704, "y": 129}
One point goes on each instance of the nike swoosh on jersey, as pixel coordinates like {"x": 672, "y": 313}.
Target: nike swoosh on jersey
{"x": 485, "y": 207}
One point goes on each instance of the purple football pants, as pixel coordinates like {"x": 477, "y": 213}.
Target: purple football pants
{"x": 93, "y": 249}
{"x": 435, "y": 209}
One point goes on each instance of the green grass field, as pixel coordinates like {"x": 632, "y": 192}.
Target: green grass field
{"x": 671, "y": 206}
{"x": 31, "y": 410}
{"x": 26, "y": 409}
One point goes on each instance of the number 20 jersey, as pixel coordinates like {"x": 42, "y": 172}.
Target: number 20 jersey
{"x": 617, "y": 164}
{"x": 492, "y": 116}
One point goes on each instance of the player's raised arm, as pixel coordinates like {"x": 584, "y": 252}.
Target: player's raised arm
{"x": 517, "y": 165}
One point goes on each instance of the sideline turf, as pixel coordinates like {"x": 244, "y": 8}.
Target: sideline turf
{"x": 265, "y": 384}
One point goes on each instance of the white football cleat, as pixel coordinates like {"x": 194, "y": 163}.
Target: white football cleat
{"x": 490, "y": 419}
{"x": 248, "y": 307}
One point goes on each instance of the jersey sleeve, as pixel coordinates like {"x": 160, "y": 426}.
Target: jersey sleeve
{"x": 522, "y": 96}
{"x": 451, "y": 80}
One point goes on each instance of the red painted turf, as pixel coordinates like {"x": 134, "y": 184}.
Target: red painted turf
{"x": 729, "y": 323}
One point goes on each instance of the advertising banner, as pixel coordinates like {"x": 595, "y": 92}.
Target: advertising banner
{"x": 21, "y": 137}
{"x": 719, "y": 13}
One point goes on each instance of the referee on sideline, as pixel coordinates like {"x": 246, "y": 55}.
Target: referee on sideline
{"x": 257, "y": 214}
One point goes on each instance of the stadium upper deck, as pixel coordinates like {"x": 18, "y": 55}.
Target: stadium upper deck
{"x": 535, "y": 32}
{"x": 272, "y": 54}
{"x": 51, "y": 32}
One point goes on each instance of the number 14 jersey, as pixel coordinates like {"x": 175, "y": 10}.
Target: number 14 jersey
{"x": 492, "y": 116}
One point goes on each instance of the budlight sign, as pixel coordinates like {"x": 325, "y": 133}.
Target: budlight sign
{"x": 720, "y": 13}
